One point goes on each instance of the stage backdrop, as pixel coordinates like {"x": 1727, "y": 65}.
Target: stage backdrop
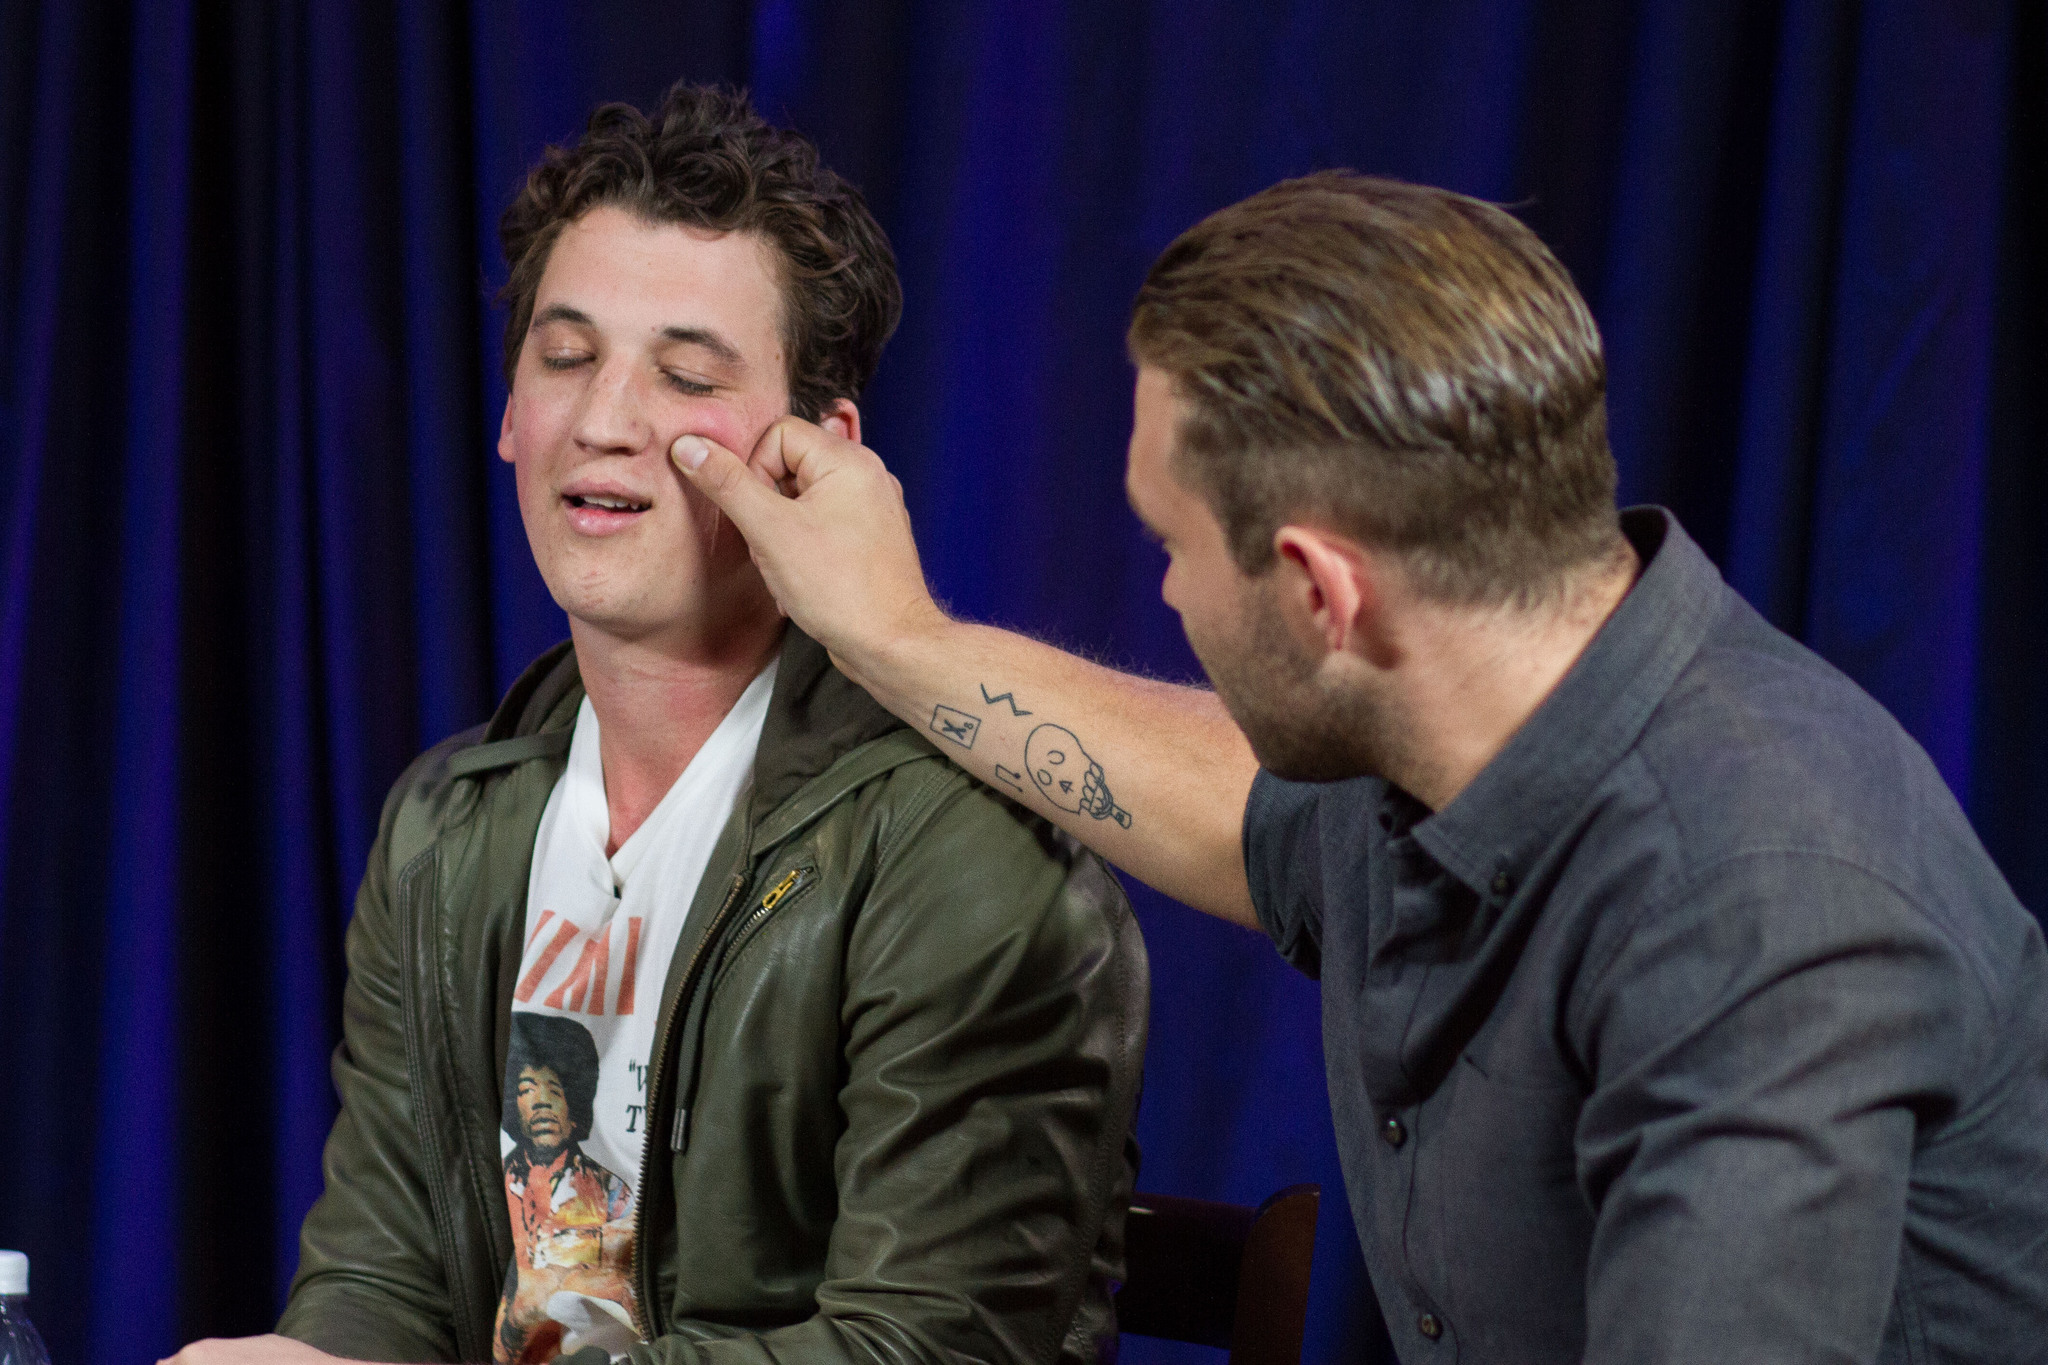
{"x": 257, "y": 549}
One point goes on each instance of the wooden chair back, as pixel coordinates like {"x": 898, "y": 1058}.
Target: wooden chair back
{"x": 1221, "y": 1274}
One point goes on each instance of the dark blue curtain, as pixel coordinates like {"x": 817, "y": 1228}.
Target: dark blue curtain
{"x": 257, "y": 551}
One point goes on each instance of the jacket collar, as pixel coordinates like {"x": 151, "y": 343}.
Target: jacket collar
{"x": 816, "y": 716}
{"x": 532, "y": 700}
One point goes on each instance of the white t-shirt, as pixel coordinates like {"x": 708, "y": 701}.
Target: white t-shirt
{"x": 599, "y": 935}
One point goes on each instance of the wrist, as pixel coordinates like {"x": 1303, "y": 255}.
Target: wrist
{"x": 889, "y": 662}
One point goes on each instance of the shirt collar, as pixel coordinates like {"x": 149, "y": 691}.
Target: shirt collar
{"x": 1491, "y": 832}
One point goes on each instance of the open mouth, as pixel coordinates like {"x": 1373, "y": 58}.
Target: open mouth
{"x": 604, "y": 502}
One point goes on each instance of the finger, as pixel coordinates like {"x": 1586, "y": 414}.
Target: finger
{"x": 761, "y": 475}
{"x": 797, "y": 451}
{"x": 736, "y": 491}
{"x": 767, "y": 454}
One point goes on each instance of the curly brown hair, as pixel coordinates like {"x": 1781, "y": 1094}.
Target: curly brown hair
{"x": 707, "y": 160}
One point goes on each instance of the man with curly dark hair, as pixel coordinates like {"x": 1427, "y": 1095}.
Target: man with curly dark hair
{"x": 865, "y": 1036}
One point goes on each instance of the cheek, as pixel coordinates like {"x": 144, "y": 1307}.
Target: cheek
{"x": 1202, "y": 633}
{"x": 536, "y": 423}
{"x": 1189, "y": 587}
{"x": 1210, "y": 612}
{"x": 1173, "y": 584}
{"x": 736, "y": 426}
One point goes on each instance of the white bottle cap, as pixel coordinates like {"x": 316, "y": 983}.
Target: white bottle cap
{"x": 13, "y": 1273}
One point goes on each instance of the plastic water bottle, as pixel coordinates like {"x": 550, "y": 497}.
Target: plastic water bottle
{"x": 20, "y": 1344}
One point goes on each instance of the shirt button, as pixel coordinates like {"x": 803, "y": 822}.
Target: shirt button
{"x": 1502, "y": 883}
{"x": 1429, "y": 1326}
{"x": 1393, "y": 1131}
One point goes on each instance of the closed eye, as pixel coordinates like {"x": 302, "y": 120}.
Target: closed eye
{"x": 694, "y": 388}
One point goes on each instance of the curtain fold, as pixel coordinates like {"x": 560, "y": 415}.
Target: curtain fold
{"x": 135, "y": 1223}
{"x": 258, "y": 549}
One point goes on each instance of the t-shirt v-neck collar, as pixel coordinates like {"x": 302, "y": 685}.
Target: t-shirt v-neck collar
{"x": 584, "y": 780}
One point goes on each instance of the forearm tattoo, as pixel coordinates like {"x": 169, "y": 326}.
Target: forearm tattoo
{"x": 957, "y": 726}
{"x": 1009, "y": 697}
{"x": 1054, "y": 761}
{"x": 1062, "y": 770}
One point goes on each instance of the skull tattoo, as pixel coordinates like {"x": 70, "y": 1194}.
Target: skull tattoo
{"x": 1069, "y": 778}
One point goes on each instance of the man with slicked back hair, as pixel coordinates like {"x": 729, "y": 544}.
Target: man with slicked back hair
{"x": 1672, "y": 1012}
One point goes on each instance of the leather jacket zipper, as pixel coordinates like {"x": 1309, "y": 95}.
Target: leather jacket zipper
{"x": 690, "y": 1004}
{"x": 792, "y": 883}
{"x": 642, "y": 1274}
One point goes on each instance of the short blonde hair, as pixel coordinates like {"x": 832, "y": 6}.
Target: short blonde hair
{"x": 1405, "y": 365}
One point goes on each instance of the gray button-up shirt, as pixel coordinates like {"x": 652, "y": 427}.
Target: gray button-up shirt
{"x": 1699, "y": 1027}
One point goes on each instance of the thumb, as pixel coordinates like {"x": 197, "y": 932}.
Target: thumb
{"x": 747, "y": 500}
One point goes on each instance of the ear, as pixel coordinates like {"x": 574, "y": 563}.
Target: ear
{"x": 505, "y": 432}
{"x": 1337, "y": 587}
{"x": 841, "y": 418}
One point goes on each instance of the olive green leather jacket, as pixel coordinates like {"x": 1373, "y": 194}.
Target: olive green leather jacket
{"x": 889, "y": 1110}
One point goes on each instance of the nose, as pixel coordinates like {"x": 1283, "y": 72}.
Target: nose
{"x": 612, "y": 420}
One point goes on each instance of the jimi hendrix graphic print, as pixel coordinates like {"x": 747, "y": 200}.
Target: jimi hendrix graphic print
{"x": 572, "y": 1220}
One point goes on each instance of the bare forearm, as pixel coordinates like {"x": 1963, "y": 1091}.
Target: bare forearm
{"x": 1152, "y": 776}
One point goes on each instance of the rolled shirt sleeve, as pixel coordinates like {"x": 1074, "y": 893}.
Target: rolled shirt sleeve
{"x": 1286, "y": 826}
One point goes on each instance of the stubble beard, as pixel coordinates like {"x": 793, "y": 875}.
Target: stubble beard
{"x": 1300, "y": 727}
